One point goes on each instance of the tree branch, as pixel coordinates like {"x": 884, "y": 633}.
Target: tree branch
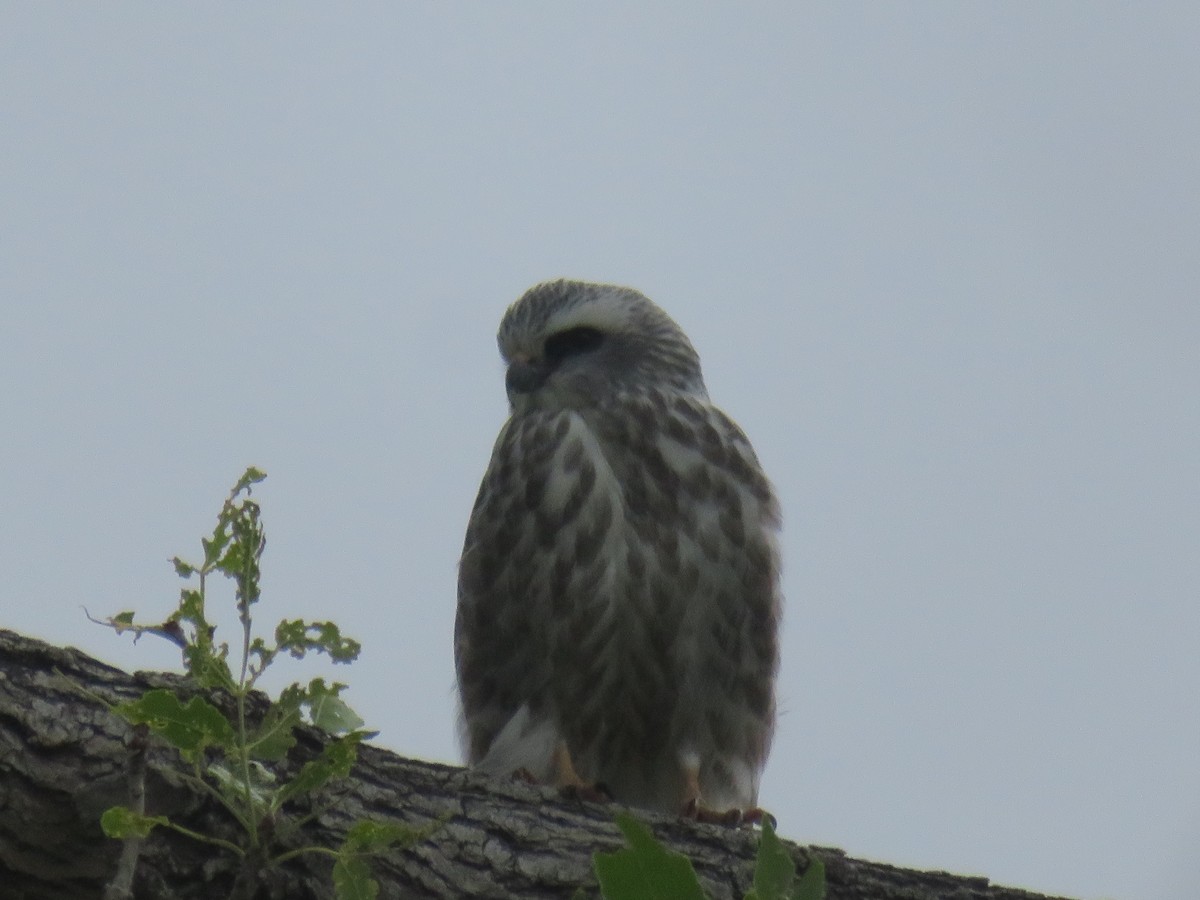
{"x": 65, "y": 758}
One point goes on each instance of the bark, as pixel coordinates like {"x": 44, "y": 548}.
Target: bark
{"x": 65, "y": 758}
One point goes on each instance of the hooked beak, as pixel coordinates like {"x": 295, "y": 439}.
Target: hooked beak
{"x": 525, "y": 375}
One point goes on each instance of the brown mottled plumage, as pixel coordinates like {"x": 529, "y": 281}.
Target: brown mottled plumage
{"x": 618, "y": 599}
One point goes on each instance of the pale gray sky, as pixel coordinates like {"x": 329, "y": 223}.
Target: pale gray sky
{"x": 939, "y": 260}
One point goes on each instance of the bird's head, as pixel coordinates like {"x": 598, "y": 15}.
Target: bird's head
{"x": 569, "y": 344}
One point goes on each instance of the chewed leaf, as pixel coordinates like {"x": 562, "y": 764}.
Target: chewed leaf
{"x": 352, "y": 879}
{"x": 250, "y": 477}
{"x": 645, "y": 870}
{"x": 183, "y": 569}
{"x": 122, "y": 822}
{"x": 190, "y": 727}
{"x": 298, "y": 637}
{"x": 367, "y": 836}
{"x": 329, "y": 711}
{"x": 274, "y": 737}
{"x": 774, "y": 871}
{"x": 335, "y": 761}
{"x": 811, "y": 885}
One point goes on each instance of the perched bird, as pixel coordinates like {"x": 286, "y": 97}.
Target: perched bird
{"x": 618, "y": 595}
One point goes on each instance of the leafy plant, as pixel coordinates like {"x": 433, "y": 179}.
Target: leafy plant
{"x": 228, "y": 755}
{"x": 775, "y": 872}
{"x": 646, "y": 870}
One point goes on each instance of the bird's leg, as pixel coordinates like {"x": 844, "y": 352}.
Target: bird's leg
{"x": 564, "y": 768}
{"x": 694, "y": 807}
{"x": 570, "y": 783}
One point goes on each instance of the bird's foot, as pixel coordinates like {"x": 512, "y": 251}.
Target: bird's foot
{"x": 571, "y": 784}
{"x": 589, "y": 793}
{"x": 730, "y": 818}
{"x": 695, "y": 808}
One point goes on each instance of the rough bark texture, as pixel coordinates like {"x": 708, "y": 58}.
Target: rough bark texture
{"x": 64, "y": 758}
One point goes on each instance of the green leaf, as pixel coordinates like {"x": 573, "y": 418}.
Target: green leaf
{"x": 207, "y": 665}
{"x": 352, "y": 879}
{"x": 328, "y": 711}
{"x": 298, "y": 637}
{"x": 214, "y": 546}
{"x": 333, "y": 715}
{"x": 811, "y": 885}
{"x": 238, "y": 559}
{"x": 250, "y": 477}
{"x": 233, "y": 785}
{"x": 191, "y": 608}
{"x": 774, "y": 870}
{"x": 122, "y": 822}
{"x": 367, "y": 836}
{"x": 646, "y": 870}
{"x": 335, "y": 761}
{"x": 274, "y": 737}
{"x": 259, "y": 650}
{"x": 183, "y": 569}
{"x": 191, "y": 728}
{"x": 122, "y": 621}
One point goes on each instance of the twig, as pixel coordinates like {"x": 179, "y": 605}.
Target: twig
{"x": 121, "y": 886}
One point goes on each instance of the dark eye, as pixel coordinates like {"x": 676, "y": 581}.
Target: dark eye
{"x": 572, "y": 342}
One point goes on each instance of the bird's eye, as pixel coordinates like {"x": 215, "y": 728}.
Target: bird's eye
{"x": 572, "y": 342}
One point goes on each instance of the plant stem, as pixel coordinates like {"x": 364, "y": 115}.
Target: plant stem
{"x": 198, "y": 783}
{"x": 323, "y": 851}
{"x": 243, "y": 752}
{"x": 207, "y": 839}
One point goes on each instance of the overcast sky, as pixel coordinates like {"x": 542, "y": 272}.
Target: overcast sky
{"x": 939, "y": 261}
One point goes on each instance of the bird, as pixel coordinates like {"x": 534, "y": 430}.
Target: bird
{"x": 617, "y": 627}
